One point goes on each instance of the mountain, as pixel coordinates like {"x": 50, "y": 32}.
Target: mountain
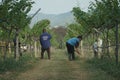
{"x": 56, "y": 20}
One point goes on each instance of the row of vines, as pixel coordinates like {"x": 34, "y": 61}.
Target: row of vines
{"x": 101, "y": 21}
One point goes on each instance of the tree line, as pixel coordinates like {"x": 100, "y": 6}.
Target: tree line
{"x": 102, "y": 20}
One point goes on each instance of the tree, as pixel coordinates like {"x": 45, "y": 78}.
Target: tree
{"x": 15, "y": 16}
{"x": 110, "y": 10}
{"x": 59, "y": 34}
{"x": 103, "y": 15}
{"x": 83, "y": 19}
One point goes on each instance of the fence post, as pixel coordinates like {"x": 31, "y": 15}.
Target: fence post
{"x": 116, "y": 49}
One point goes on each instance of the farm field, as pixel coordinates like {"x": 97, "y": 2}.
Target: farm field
{"x": 59, "y": 68}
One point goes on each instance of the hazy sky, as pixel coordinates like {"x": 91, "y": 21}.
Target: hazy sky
{"x": 59, "y": 6}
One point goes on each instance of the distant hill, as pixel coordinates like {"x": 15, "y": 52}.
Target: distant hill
{"x": 56, "y": 20}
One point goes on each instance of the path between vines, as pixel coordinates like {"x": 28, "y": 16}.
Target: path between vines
{"x": 59, "y": 68}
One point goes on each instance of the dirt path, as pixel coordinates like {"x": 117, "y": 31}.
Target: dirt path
{"x": 59, "y": 68}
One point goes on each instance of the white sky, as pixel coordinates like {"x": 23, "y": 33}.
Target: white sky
{"x": 59, "y": 6}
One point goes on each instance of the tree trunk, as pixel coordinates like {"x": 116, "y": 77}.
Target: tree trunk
{"x": 17, "y": 48}
{"x": 5, "y": 53}
{"x": 81, "y": 48}
{"x": 35, "y": 48}
{"x": 9, "y": 47}
{"x": 117, "y": 42}
{"x": 29, "y": 48}
{"x": 2, "y": 49}
{"x": 38, "y": 51}
{"x": 108, "y": 52}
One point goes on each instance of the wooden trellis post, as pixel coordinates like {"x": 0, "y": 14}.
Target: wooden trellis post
{"x": 117, "y": 42}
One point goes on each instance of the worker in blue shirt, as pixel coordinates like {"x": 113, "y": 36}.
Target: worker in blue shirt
{"x": 71, "y": 44}
{"x": 45, "y": 43}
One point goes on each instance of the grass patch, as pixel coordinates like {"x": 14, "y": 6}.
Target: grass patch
{"x": 107, "y": 65}
{"x": 11, "y": 68}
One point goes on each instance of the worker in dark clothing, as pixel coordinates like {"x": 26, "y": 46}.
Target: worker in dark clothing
{"x": 72, "y": 45}
{"x": 45, "y": 43}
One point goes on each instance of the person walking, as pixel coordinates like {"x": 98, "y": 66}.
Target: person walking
{"x": 95, "y": 48}
{"x": 45, "y": 43}
{"x": 72, "y": 45}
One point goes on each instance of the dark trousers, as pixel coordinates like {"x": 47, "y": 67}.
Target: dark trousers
{"x": 43, "y": 50}
{"x": 70, "y": 50}
{"x": 95, "y": 54}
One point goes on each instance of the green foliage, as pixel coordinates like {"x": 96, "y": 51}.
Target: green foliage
{"x": 17, "y": 16}
{"x": 54, "y": 42}
{"x": 25, "y": 35}
{"x": 1, "y": 35}
{"x": 100, "y": 21}
{"x": 107, "y": 65}
{"x": 38, "y": 27}
{"x": 84, "y": 20}
{"x": 73, "y": 30}
{"x": 99, "y": 16}
{"x": 10, "y": 64}
{"x": 102, "y": 13}
{"x": 14, "y": 16}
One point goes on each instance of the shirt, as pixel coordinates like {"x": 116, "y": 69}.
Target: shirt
{"x": 95, "y": 46}
{"x": 45, "y": 40}
{"x": 73, "y": 41}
